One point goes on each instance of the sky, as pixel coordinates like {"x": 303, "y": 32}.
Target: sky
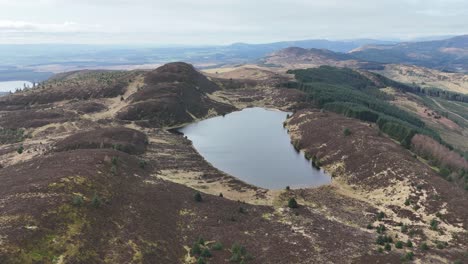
{"x": 201, "y": 22}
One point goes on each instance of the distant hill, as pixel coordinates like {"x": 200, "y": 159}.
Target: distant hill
{"x": 296, "y": 58}
{"x": 445, "y": 55}
{"x": 35, "y": 62}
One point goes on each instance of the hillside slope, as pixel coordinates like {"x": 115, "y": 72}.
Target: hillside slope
{"x": 83, "y": 184}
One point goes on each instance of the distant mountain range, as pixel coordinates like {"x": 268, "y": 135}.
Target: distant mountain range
{"x": 445, "y": 55}
{"x": 22, "y": 62}
{"x": 38, "y": 62}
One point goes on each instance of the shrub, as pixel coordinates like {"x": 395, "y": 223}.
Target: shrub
{"x": 388, "y": 247}
{"x": 201, "y": 241}
{"x": 382, "y": 240}
{"x": 404, "y": 228}
{"x": 407, "y": 202}
{"x": 77, "y": 200}
{"x": 20, "y": 149}
{"x": 201, "y": 260}
{"x": 96, "y": 201}
{"x": 206, "y": 253}
{"x": 287, "y": 188}
{"x": 380, "y": 216}
{"x": 408, "y": 256}
{"x": 114, "y": 169}
{"x": 198, "y": 197}
{"x": 221, "y": 195}
{"x": 196, "y": 249}
{"x": 142, "y": 163}
{"x": 242, "y": 210}
{"x": 444, "y": 172}
{"x": 239, "y": 254}
{"x": 217, "y": 246}
{"x": 381, "y": 229}
{"x": 369, "y": 226}
{"x": 441, "y": 245}
{"x": 409, "y": 243}
{"x": 292, "y": 203}
{"x": 434, "y": 224}
{"x": 346, "y": 132}
{"x": 399, "y": 244}
{"x": 115, "y": 160}
{"x": 424, "y": 246}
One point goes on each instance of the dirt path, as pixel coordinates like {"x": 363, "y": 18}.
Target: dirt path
{"x": 114, "y": 105}
{"x": 441, "y": 106}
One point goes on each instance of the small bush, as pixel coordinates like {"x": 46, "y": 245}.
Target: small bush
{"x": 115, "y": 160}
{"x": 424, "y": 246}
{"x": 242, "y": 210}
{"x": 217, "y": 246}
{"x": 380, "y": 216}
{"x": 200, "y": 241}
{"x": 404, "y": 228}
{"x": 201, "y": 260}
{"x": 20, "y": 149}
{"x": 408, "y": 256}
{"x": 444, "y": 172}
{"x": 221, "y": 195}
{"x": 399, "y": 244}
{"x": 96, "y": 201}
{"x": 77, "y": 200}
{"x": 441, "y": 245}
{"x": 287, "y": 188}
{"x": 292, "y": 203}
{"x": 198, "y": 197}
{"x": 196, "y": 249}
{"x": 388, "y": 247}
{"x": 142, "y": 163}
{"x": 346, "y": 132}
{"x": 369, "y": 226}
{"x": 434, "y": 224}
{"x": 407, "y": 202}
{"x": 239, "y": 254}
{"x": 206, "y": 253}
{"x": 381, "y": 229}
{"x": 409, "y": 243}
{"x": 114, "y": 169}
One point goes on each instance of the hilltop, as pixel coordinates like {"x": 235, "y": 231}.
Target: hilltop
{"x": 297, "y": 58}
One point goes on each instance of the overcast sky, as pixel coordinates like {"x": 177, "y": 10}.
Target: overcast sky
{"x": 196, "y": 22}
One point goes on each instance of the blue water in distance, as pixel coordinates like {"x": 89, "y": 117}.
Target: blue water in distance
{"x": 252, "y": 145}
{"x": 11, "y": 86}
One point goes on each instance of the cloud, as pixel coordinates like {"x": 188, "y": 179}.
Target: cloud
{"x": 227, "y": 21}
{"x": 23, "y": 26}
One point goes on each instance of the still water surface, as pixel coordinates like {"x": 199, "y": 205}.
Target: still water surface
{"x": 253, "y": 146}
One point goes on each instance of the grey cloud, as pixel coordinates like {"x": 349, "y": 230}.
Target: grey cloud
{"x": 217, "y": 21}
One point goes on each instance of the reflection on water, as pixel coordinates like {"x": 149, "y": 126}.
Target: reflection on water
{"x": 253, "y": 146}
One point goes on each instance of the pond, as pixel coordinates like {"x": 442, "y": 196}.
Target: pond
{"x": 252, "y": 145}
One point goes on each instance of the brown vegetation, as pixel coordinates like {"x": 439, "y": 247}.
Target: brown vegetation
{"x": 433, "y": 150}
{"x": 124, "y": 139}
